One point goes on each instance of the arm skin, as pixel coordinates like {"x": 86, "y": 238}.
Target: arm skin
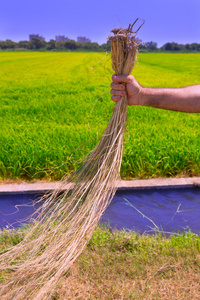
{"x": 184, "y": 99}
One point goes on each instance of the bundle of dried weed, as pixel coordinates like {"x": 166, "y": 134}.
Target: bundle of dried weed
{"x": 66, "y": 220}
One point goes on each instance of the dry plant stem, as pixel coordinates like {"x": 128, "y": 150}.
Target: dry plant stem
{"x": 65, "y": 221}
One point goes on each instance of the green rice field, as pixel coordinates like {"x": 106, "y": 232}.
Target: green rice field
{"x": 55, "y": 106}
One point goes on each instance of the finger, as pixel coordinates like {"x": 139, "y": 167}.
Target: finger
{"x": 122, "y": 78}
{"x": 117, "y": 93}
{"x": 116, "y": 98}
{"x": 117, "y": 86}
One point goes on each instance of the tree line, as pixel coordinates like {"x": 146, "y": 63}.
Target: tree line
{"x": 37, "y": 44}
{"x": 152, "y": 46}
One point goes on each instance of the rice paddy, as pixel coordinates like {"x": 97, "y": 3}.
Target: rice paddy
{"x": 55, "y": 106}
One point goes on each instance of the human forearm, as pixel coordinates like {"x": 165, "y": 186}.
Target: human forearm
{"x": 185, "y": 99}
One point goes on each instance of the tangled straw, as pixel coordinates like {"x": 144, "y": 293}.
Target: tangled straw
{"x": 65, "y": 221}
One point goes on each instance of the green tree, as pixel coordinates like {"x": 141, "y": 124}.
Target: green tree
{"x": 60, "y": 45}
{"x": 8, "y": 44}
{"x": 194, "y": 46}
{"x": 91, "y": 46}
{"x": 88, "y": 46}
{"x": 106, "y": 46}
{"x": 168, "y": 46}
{"x": 36, "y": 43}
{"x": 23, "y": 44}
{"x": 173, "y": 47}
{"x": 51, "y": 45}
{"x": 95, "y": 46}
{"x": 151, "y": 45}
{"x": 71, "y": 44}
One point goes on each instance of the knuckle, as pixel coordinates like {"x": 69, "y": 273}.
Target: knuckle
{"x": 121, "y": 93}
{"x": 130, "y": 78}
{"x": 118, "y": 86}
{"x": 114, "y": 78}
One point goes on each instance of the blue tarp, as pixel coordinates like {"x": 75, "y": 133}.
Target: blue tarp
{"x": 145, "y": 211}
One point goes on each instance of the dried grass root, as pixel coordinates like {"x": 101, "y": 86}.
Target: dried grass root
{"x": 66, "y": 220}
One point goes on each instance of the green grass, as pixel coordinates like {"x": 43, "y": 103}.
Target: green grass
{"x": 55, "y": 103}
{"x": 126, "y": 265}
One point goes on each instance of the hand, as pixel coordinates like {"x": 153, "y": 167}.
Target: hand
{"x": 132, "y": 89}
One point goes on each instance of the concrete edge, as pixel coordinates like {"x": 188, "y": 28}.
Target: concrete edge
{"x": 158, "y": 183}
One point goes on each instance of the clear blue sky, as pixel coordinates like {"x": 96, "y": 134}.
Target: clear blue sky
{"x": 166, "y": 20}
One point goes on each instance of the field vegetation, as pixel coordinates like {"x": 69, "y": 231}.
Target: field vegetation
{"x": 55, "y": 106}
{"x": 126, "y": 265}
